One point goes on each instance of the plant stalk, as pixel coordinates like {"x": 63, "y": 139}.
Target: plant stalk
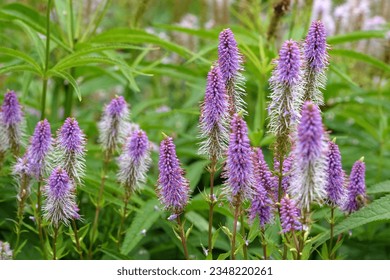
{"x": 47, "y": 54}
{"x": 244, "y": 247}
{"x": 183, "y": 237}
{"x": 236, "y": 214}
{"x": 264, "y": 243}
{"x": 55, "y": 242}
{"x": 124, "y": 213}
{"x": 212, "y": 203}
{"x": 76, "y": 237}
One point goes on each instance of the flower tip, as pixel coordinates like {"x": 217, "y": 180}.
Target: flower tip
{"x": 334, "y": 140}
{"x": 361, "y": 159}
{"x": 164, "y": 135}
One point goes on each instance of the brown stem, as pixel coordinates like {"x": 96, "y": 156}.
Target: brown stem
{"x": 55, "y": 242}
{"x": 264, "y": 243}
{"x": 297, "y": 246}
{"x": 126, "y": 202}
{"x": 280, "y": 10}
{"x": 183, "y": 237}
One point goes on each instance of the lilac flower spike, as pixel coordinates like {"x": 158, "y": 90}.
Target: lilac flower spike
{"x": 114, "y": 124}
{"x": 261, "y": 203}
{"x": 286, "y": 89}
{"x": 60, "y": 205}
{"x": 316, "y": 62}
{"x": 308, "y": 180}
{"x": 239, "y": 166}
{"x": 264, "y": 174}
{"x": 356, "y": 192}
{"x": 11, "y": 118}
{"x": 173, "y": 188}
{"x": 335, "y": 173}
{"x": 134, "y": 162}
{"x": 214, "y": 116}
{"x": 70, "y": 150}
{"x": 40, "y": 146}
{"x": 230, "y": 63}
{"x": 289, "y": 215}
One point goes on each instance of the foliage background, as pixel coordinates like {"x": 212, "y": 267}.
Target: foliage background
{"x": 145, "y": 51}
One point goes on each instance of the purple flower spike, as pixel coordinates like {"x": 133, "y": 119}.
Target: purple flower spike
{"x": 263, "y": 173}
{"x": 335, "y": 173}
{"x": 40, "y": 146}
{"x": 214, "y": 116}
{"x": 229, "y": 57}
{"x": 289, "y": 215}
{"x": 315, "y": 47}
{"x": 230, "y": 63}
{"x": 60, "y": 205}
{"x": 286, "y": 95}
{"x": 356, "y": 192}
{"x": 239, "y": 166}
{"x": 316, "y": 62}
{"x": 114, "y": 125}
{"x": 134, "y": 162}
{"x": 11, "y": 118}
{"x": 70, "y": 150}
{"x": 173, "y": 188}
{"x": 289, "y": 63}
{"x": 309, "y": 174}
{"x": 261, "y": 204}
{"x": 70, "y": 137}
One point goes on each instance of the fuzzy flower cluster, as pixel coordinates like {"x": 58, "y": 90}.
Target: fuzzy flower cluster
{"x": 239, "y": 166}
{"x": 114, "y": 125}
{"x": 285, "y": 85}
{"x": 214, "y": 116}
{"x": 60, "y": 205}
{"x": 356, "y": 191}
{"x": 230, "y": 63}
{"x": 173, "y": 188}
{"x": 261, "y": 203}
{"x": 335, "y": 173}
{"x": 316, "y": 61}
{"x": 40, "y": 146}
{"x": 5, "y": 251}
{"x": 289, "y": 215}
{"x": 134, "y": 161}
{"x": 309, "y": 175}
{"x": 11, "y": 123}
{"x": 69, "y": 150}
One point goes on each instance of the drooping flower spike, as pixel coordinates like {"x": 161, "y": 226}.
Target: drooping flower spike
{"x": 316, "y": 62}
{"x": 230, "y": 63}
{"x": 60, "y": 205}
{"x": 286, "y": 94}
{"x": 114, "y": 125}
{"x": 70, "y": 150}
{"x": 335, "y": 175}
{"x": 261, "y": 203}
{"x": 308, "y": 180}
{"x": 173, "y": 188}
{"x": 134, "y": 161}
{"x": 11, "y": 120}
{"x": 356, "y": 191}
{"x": 214, "y": 116}
{"x": 238, "y": 171}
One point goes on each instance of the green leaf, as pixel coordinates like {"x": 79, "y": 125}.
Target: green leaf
{"x": 197, "y": 220}
{"x": 16, "y": 68}
{"x": 66, "y": 76}
{"x": 22, "y": 56}
{"x": 379, "y": 210}
{"x": 195, "y": 171}
{"x": 355, "y": 36}
{"x": 143, "y": 220}
{"x": 382, "y": 187}
{"x": 362, "y": 57}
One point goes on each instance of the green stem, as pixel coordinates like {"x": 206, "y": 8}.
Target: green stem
{"x": 182, "y": 237}
{"x": 331, "y": 232}
{"x": 124, "y": 213}
{"x": 236, "y": 214}
{"x": 39, "y": 219}
{"x": 55, "y": 242}
{"x": 76, "y": 237}
{"x": 212, "y": 203}
{"x": 263, "y": 243}
{"x": 100, "y": 196}
{"x": 22, "y": 199}
{"x": 297, "y": 246}
{"x": 244, "y": 247}
{"x": 45, "y": 78}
